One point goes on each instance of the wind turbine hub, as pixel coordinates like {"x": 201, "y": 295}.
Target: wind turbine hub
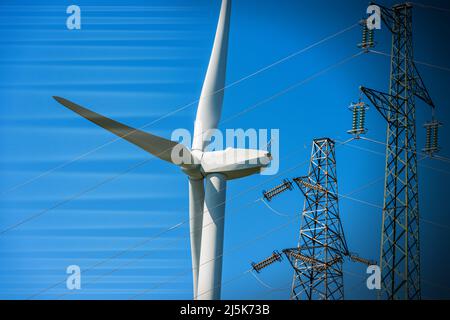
{"x": 231, "y": 162}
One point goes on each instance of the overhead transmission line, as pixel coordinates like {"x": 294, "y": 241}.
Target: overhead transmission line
{"x": 290, "y": 88}
{"x": 179, "y": 109}
{"x": 436, "y": 157}
{"x": 158, "y": 235}
{"x": 240, "y": 246}
{"x": 148, "y": 290}
{"x": 426, "y": 6}
{"x": 179, "y": 224}
{"x": 239, "y": 81}
{"x": 234, "y": 249}
{"x": 383, "y": 155}
{"x": 415, "y": 61}
{"x": 147, "y": 240}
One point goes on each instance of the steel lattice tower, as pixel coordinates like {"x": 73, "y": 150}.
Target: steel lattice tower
{"x": 318, "y": 259}
{"x": 400, "y": 255}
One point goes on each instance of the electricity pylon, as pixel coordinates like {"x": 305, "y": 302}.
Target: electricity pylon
{"x": 318, "y": 259}
{"x": 400, "y": 255}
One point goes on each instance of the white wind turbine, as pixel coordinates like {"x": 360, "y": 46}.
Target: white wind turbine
{"x": 208, "y": 171}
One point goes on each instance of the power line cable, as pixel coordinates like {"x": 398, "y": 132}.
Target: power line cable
{"x": 426, "y": 6}
{"x": 246, "y": 243}
{"x": 280, "y": 61}
{"x": 172, "y": 228}
{"x": 416, "y": 61}
{"x": 440, "y": 158}
{"x": 147, "y": 240}
{"x": 354, "y": 199}
{"x": 383, "y": 155}
{"x": 32, "y": 217}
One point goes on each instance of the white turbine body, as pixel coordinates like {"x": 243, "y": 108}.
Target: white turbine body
{"x": 208, "y": 171}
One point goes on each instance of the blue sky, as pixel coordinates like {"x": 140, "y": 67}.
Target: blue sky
{"x": 135, "y": 61}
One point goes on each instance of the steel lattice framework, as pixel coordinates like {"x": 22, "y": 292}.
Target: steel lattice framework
{"x": 318, "y": 259}
{"x": 400, "y": 255}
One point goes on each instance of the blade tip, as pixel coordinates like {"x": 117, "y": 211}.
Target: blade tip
{"x": 59, "y": 99}
{"x": 62, "y": 101}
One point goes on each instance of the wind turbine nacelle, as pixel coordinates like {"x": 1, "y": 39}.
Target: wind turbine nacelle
{"x": 235, "y": 163}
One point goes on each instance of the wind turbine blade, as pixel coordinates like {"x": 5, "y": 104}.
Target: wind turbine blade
{"x": 196, "y": 199}
{"x": 210, "y": 104}
{"x": 157, "y": 146}
{"x": 210, "y": 271}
